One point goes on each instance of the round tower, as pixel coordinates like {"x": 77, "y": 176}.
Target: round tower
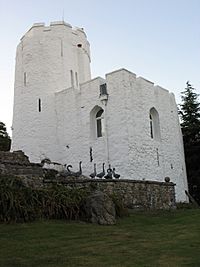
{"x": 49, "y": 59}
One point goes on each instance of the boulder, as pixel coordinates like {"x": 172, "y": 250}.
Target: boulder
{"x": 99, "y": 208}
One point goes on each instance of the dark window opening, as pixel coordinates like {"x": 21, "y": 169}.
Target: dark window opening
{"x": 61, "y": 52}
{"x": 151, "y": 125}
{"x": 99, "y": 119}
{"x": 154, "y": 124}
{"x": 99, "y": 128}
{"x": 72, "y": 78}
{"x": 91, "y": 156}
{"x": 39, "y": 105}
{"x": 103, "y": 89}
{"x": 24, "y": 78}
{"x": 76, "y": 76}
{"x": 158, "y": 160}
{"x": 79, "y": 45}
{"x": 99, "y": 113}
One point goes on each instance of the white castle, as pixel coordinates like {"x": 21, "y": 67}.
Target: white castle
{"x": 62, "y": 114}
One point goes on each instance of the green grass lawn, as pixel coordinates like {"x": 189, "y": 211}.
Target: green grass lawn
{"x": 143, "y": 239}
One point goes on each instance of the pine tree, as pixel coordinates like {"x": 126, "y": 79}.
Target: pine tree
{"x": 5, "y": 140}
{"x": 190, "y": 124}
{"x": 190, "y": 116}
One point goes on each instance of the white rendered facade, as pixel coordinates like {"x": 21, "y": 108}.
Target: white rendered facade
{"x": 60, "y": 114}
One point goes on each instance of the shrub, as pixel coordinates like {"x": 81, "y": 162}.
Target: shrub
{"x": 19, "y": 203}
{"x": 121, "y": 210}
{"x": 183, "y": 205}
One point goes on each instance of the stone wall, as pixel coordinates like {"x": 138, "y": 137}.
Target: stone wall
{"x": 134, "y": 194}
{"x": 140, "y": 195}
{"x": 17, "y": 163}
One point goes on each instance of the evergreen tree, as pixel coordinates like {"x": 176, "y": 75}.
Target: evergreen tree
{"x": 190, "y": 116}
{"x": 5, "y": 140}
{"x": 190, "y": 124}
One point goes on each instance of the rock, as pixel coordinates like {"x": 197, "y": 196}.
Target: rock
{"x": 99, "y": 208}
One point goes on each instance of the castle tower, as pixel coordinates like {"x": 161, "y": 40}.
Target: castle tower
{"x": 49, "y": 59}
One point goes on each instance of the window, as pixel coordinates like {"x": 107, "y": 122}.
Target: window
{"x": 154, "y": 124}
{"x": 24, "y": 78}
{"x": 72, "y": 78}
{"x": 103, "y": 89}
{"x": 151, "y": 125}
{"x": 39, "y": 105}
{"x": 76, "y": 76}
{"x": 97, "y": 128}
{"x": 100, "y": 123}
{"x": 61, "y": 48}
{"x": 91, "y": 154}
{"x": 158, "y": 158}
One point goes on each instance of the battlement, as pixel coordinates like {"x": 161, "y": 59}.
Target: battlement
{"x": 52, "y": 24}
{"x": 138, "y": 79}
{"x": 161, "y": 89}
{"x": 40, "y": 26}
{"x": 144, "y": 80}
{"x": 119, "y": 71}
{"x": 58, "y": 23}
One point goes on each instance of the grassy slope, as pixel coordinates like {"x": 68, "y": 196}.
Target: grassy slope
{"x": 156, "y": 239}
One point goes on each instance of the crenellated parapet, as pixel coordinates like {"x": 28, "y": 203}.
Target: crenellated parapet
{"x": 139, "y": 80}
{"x": 41, "y": 27}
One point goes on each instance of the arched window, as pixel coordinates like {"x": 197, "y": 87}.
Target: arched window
{"x": 100, "y": 123}
{"x": 154, "y": 124}
{"x": 97, "y": 128}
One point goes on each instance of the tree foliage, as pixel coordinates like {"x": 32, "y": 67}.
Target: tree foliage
{"x": 190, "y": 116}
{"x": 5, "y": 140}
{"x": 190, "y": 124}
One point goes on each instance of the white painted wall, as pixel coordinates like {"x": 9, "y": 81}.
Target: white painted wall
{"x": 132, "y": 151}
{"x": 62, "y": 130}
{"x": 47, "y": 56}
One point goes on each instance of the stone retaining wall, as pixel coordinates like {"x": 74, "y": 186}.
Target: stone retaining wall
{"x": 134, "y": 194}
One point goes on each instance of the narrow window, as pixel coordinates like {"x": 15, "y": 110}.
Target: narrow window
{"x": 158, "y": 159}
{"x": 24, "y": 78}
{"x": 99, "y": 123}
{"x": 154, "y": 124}
{"x": 72, "y": 78}
{"x": 91, "y": 156}
{"x": 76, "y": 77}
{"x": 39, "y": 105}
{"x": 61, "y": 48}
{"x": 151, "y": 125}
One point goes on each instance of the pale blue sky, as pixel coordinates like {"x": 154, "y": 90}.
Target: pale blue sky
{"x": 156, "y": 39}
